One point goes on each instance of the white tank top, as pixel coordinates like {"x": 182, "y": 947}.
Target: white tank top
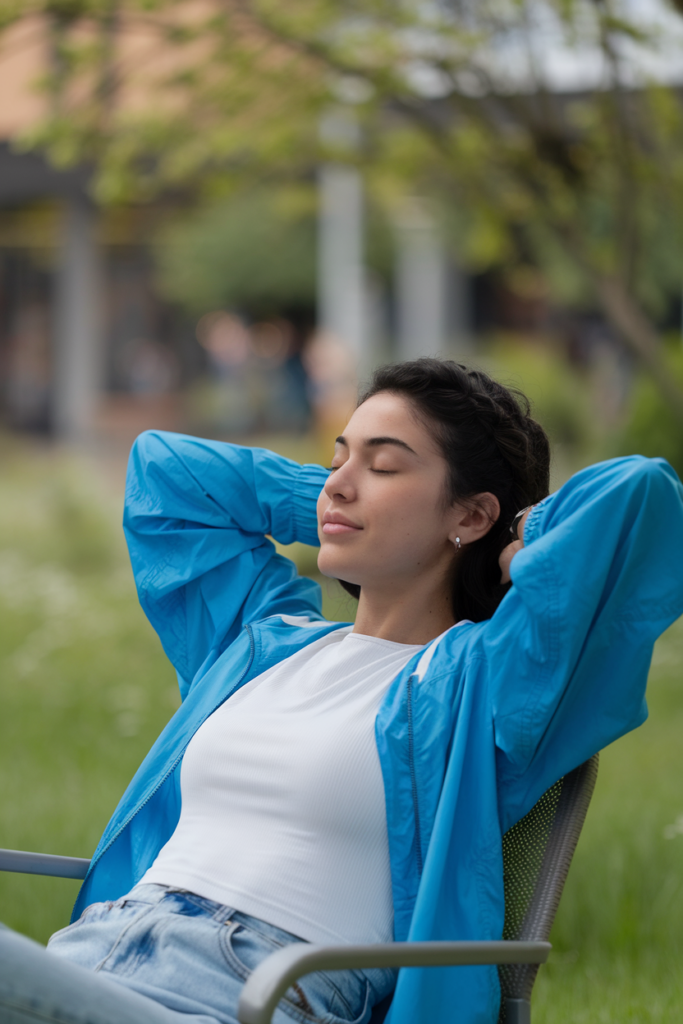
{"x": 283, "y": 810}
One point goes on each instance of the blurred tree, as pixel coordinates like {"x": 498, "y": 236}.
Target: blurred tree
{"x": 548, "y": 126}
{"x": 254, "y": 250}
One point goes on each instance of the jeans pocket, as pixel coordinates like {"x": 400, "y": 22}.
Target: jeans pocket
{"x": 340, "y": 997}
{"x": 90, "y": 940}
{"x": 94, "y": 912}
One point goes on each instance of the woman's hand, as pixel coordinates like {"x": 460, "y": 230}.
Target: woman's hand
{"x": 506, "y": 556}
{"x": 509, "y": 552}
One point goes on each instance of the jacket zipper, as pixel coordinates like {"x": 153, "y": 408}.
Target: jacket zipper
{"x": 413, "y": 774}
{"x": 173, "y": 767}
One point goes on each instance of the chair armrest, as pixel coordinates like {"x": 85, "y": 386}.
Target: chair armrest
{"x": 43, "y": 864}
{"x": 273, "y": 976}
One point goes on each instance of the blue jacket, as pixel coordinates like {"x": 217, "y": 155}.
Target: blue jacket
{"x": 471, "y": 732}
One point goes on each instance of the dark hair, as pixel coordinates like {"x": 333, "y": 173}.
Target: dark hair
{"x": 490, "y": 443}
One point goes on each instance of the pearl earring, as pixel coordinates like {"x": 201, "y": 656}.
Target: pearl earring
{"x": 457, "y": 543}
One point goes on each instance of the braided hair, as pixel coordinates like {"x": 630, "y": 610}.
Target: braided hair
{"x": 490, "y": 443}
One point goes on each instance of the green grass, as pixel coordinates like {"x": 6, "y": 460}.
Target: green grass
{"x": 85, "y": 688}
{"x": 618, "y": 937}
{"x": 84, "y": 685}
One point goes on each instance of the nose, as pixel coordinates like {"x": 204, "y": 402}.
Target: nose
{"x": 340, "y": 484}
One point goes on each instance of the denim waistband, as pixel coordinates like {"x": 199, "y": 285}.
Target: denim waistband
{"x": 152, "y": 892}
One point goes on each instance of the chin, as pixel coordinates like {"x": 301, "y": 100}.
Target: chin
{"x": 336, "y": 568}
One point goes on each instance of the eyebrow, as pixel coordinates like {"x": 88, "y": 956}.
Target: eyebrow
{"x": 376, "y": 442}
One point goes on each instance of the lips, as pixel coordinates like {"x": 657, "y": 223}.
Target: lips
{"x": 334, "y": 523}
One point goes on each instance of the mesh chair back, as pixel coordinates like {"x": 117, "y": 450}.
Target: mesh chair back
{"x": 537, "y": 852}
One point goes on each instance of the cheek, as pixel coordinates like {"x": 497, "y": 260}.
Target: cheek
{"x": 416, "y": 533}
{"x": 410, "y": 513}
{"x": 321, "y": 505}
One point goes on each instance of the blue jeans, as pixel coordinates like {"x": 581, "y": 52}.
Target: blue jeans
{"x": 160, "y": 953}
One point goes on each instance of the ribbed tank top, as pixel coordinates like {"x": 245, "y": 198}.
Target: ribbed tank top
{"x": 283, "y": 810}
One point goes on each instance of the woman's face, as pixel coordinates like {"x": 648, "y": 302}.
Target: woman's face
{"x": 382, "y": 518}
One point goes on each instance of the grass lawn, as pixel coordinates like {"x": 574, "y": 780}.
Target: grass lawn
{"x": 85, "y": 688}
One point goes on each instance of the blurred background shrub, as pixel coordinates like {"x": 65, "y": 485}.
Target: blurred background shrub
{"x": 651, "y": 429}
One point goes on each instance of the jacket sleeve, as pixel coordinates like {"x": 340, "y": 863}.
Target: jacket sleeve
{"x": 196, "y": 517}
{"x": 569, "y": 648}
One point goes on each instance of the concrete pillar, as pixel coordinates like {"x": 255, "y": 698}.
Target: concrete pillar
{"x": 421, "y": 285}
{"x": 345, "y": 301}
{"x": 78, "y": 348}
{"x": 341, "y": 292}
{"x": 459, "y": 312}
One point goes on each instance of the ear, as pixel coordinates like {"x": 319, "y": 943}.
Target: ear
{"x": 473, "y": 520}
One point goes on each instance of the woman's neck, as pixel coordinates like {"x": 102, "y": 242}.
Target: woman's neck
{"x": 404, "y": 618}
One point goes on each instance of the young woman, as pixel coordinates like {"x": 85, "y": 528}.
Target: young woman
{"x": 333, "y": 783}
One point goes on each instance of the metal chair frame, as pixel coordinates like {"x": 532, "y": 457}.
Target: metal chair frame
{"x": 537, "y": 853}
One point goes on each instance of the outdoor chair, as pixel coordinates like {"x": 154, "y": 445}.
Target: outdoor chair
{"x": 537, "y": 852}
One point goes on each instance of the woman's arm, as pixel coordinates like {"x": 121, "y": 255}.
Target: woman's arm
{"x": 599, "y": 577}
{"x": 196, "y": 517}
